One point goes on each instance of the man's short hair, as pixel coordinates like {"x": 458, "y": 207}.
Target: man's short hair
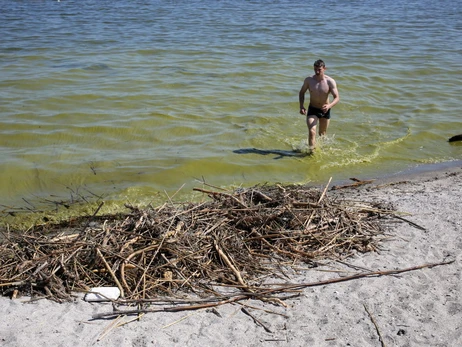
{"x": 319, "y": 63}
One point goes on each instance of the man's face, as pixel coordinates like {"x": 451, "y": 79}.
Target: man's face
{"x": 319, "y": 70}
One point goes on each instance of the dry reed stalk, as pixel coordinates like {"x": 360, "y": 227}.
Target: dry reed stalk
{"x": 116, "y": 280}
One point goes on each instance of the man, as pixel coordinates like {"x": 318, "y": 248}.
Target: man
{"x": 320, "y": 86}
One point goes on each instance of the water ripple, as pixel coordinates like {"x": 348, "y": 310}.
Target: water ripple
{"x": 116, "y": 95}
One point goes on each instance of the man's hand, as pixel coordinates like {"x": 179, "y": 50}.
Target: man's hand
{"x": 303, "y": 111}
{"x": 325, "y": 108}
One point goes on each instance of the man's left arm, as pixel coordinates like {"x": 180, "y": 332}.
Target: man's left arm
{"x": 334, "y": 91}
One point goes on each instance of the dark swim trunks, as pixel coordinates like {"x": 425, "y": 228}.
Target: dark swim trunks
{"x": 313, "y": 111}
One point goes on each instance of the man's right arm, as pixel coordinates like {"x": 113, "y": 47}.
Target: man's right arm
{"x": 301, "y": 96}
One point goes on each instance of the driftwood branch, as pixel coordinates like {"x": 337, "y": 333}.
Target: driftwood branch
{"x": 357, "y": 183}
{"x": 262, "y": 294}
{"x": 353, "y": 277}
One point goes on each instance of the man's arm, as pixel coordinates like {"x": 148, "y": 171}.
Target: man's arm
{"x": 334, "y": 91}
{"x": 301, "y": 96}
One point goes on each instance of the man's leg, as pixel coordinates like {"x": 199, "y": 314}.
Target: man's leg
{"x": 312, "y": 122}
{"x": 323, "y": 125}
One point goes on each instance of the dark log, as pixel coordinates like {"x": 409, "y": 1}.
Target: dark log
{"x": 455, "y": 138}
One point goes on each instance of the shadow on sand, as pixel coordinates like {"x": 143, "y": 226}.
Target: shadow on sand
{"x": 279, "y": 152}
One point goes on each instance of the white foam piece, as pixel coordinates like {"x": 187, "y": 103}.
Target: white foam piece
{"x": 102, "y": 294}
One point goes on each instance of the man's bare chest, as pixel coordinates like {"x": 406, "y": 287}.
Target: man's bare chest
{"x": 320, "y": 87}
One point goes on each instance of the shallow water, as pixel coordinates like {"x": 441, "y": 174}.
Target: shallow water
{"x": 124, "y": 100}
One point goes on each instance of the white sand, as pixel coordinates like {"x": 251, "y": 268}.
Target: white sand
{"x": 417, "y": 308}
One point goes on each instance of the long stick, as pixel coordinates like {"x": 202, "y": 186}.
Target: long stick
{"x": 353, "y": 277}
{"x": 170, "y": 309}
{"x": 263, "y": 294}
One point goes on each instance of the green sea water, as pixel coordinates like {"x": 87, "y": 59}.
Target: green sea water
{"x": 143, "y": 100}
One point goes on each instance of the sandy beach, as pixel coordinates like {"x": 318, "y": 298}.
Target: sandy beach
{"x": 416, "y": 308}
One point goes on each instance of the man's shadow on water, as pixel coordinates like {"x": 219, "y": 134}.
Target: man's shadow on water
{"x": 279, "y": 152}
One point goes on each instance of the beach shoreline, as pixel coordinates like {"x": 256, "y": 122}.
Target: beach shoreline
{"x": 417, "y": 172}
{"x": 416, "y": 308}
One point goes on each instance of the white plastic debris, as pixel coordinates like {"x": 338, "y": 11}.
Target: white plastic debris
{"x": 102, "y": 294}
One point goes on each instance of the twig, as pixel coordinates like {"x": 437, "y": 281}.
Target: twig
{"x": 171, "y": 197}
{"x": 114, "y": 277}
{"x": 325, "y": 190}
{"x": 264, "y": 310}
{"x": 221, "y": 194}
{"x": 127, "y": 260}
{"x": 179, "y": 320}
{"x": 130, "y": 320}
{"x": 110, "y": 327}
{"x": 356, "y": 184}
{"x": 230, "y": 264}
{"x": 408, "y": 221}
{"x": 90, "y": 219}
{"x": 375, "y": 324}
{"x": 256, "y": 320}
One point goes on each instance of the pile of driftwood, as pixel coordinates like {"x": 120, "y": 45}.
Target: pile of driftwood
{"x": 232, "y": 239}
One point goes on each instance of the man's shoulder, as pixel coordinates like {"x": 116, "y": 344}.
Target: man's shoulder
{"x": 310, "y": 79}
{"x": 329, "y": 79}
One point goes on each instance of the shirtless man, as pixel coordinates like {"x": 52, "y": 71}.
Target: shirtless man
{"x": 320, "y": 86}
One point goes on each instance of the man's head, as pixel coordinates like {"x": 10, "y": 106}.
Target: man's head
{"x": 319, "y": 63}
{"x": 319, "y": 66}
